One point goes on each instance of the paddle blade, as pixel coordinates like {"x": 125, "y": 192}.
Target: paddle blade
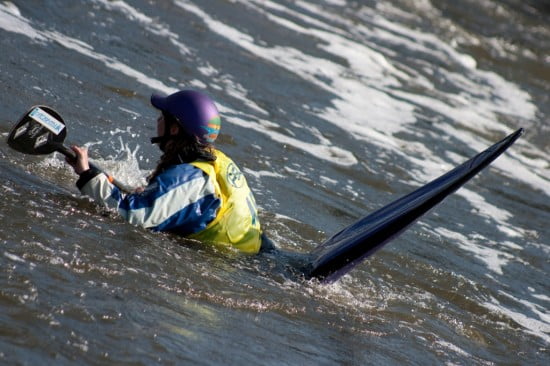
{"x": 39, "y": 131}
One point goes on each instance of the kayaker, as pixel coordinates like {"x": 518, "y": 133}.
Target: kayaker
{"x": 195, "y": 190}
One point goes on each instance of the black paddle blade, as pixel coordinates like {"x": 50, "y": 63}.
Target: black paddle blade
{"x": 42, "y": 131}
{"x": 39, "y": 131}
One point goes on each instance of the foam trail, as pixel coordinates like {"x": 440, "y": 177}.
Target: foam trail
{"x": 149, "y": 23}
{"x": 12, "y": 21}
{"x": 383, "y": 111}
{"x": 323, "y": 150}
{"x": 379, "y": 122}
{"x": 538, "y": 327}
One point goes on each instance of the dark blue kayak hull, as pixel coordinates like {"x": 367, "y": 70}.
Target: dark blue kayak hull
{"x": 339, "y": 254}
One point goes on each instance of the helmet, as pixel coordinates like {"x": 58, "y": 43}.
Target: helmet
{"x": 195, "y": 112}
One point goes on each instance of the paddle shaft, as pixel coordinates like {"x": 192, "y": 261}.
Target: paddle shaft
{"x": 69, "y": 153}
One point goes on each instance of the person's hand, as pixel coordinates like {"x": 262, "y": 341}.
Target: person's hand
{"x": 80, "y": 164}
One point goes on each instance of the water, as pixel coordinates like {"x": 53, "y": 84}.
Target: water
{"x": 332, "y": 108}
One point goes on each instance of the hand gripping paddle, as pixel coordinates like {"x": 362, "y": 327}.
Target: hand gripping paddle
{"x": 41, "y": 131}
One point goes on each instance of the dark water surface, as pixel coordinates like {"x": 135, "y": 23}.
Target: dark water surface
{"x": 332, "y": 108}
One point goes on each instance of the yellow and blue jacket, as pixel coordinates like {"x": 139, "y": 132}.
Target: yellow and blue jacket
{"x": 208, "y": 201}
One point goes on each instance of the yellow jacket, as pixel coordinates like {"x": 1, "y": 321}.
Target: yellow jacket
{"x": 236, "y": 223}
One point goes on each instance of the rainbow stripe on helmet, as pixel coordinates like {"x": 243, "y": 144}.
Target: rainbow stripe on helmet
{"x": 212, "y": 129}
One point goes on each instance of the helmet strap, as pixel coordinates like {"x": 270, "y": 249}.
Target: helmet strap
{"x": 163, "y": 140}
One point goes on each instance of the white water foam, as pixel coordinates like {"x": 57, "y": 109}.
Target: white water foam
{"x": 488, "y": 253}
{"x": 152, "y": 25}
{"x": 537, "y": 325}
{"x": 315, "y": 70}
{"x": 484, "y": 95}
{"x": 12, "y": 21}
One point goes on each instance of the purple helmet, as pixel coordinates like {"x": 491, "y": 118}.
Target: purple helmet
{"x": 195, "y": 112}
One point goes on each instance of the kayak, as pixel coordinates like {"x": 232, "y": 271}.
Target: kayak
{"x": 349, "y": 247}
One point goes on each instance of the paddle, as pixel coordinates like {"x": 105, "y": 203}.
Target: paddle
{"x": 41, "y": 131}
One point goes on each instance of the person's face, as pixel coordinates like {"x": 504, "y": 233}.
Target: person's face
{"x": 161, "y": 125}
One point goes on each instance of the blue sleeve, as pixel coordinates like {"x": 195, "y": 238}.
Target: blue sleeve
{"x": 181, "y": 199}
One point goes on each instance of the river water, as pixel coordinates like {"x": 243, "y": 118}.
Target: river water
{"x": 332, "y": 108}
